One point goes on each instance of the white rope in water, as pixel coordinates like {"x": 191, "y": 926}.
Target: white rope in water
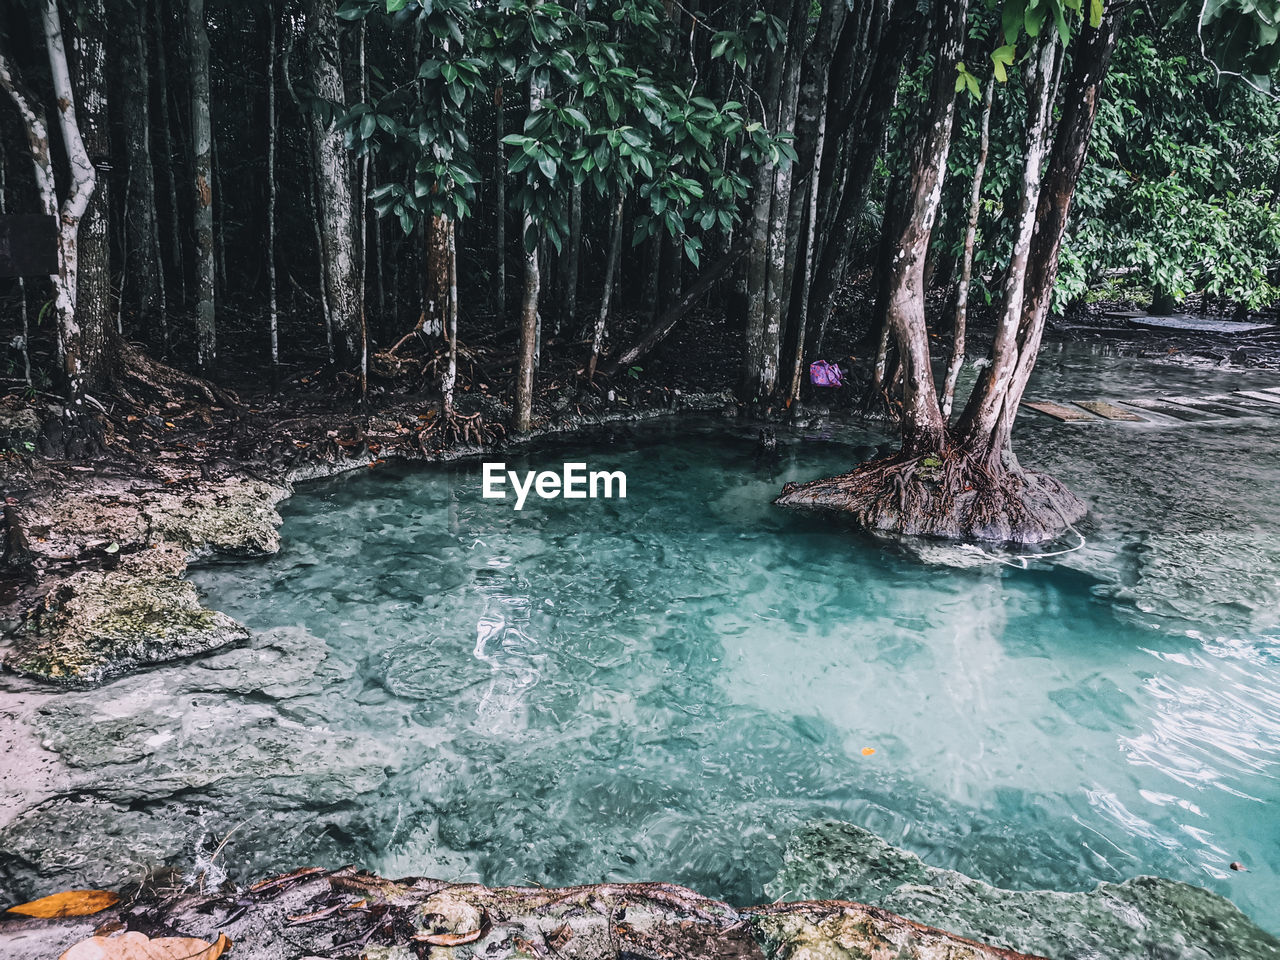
{"x": 1023, "y": 561}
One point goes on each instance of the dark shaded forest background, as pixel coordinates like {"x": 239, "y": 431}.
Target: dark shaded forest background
{"x": 293, "y": 186}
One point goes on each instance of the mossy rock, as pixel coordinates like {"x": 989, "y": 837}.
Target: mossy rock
{"x": 98, "y": 624}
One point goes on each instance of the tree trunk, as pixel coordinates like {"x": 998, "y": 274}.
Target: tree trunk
{"x": 80, "y": 349}
{"x": 528, "y": 330}
{"x": 811, "y": 124}
{"x": 94, "y": 291}
{"x": 977, "y": 426}
{"x": 606, "y": 294}
{"x": 450, "y": 377}
{"x": 500, "y": 202}
{"x": 923, "y": 429}
{"x": 311, "y": 179}
{"x": 273, "y": 312}
{"x": 572, "y": 259}
{"x": 142, "y": 225}
{"x": 760, "y": 353}
{"x": 864, "y": 77}
{"x": 338, "y": 208}
{"x": 435, "y": 278}
{"x": 168, "y": 164}
{"x": 966, "y": 269}
{"x": 780, "y": 254}
{"x": 1089, "y": 66}
{"x": 663, "y": 324}
{"x": 202, "y": 145}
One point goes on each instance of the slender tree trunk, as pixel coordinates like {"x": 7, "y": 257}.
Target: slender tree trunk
{"x": 572, "y": 258}
{"x": 500, "y": 203}
{"x": 272, "y": 305}
{"x": 142, "y": 230}
{"x": 22, "y": 288}
{"x": 665, "y": 322}
{"x": 1089, "y": 65}
{"x": 606, "y": 294}
{"x": 313, "y": 203}
{"x": 94, "y": 294}
{"x": 528, "y": 331}
{"x": 966, "y": 268}
{"x": 338, "y": 207}
{"x": 759, "y": 356}
{"x": 202, "y": 145}
{"x": 80, "y": 348}
{"x": 361, "y": 212}
{"x": 811, "y": 127}
{"x": 923, "y": 429}
{"x": 983, "y": 410}
{"x": 450, "y": 378}
{"x": 168, "y": 165}
{"x": 435, "y": 279}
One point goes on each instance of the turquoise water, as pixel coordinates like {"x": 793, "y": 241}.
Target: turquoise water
{"x": 668, "y": 686}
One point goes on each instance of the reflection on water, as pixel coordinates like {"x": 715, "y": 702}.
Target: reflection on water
{"x": 666, "y": 687}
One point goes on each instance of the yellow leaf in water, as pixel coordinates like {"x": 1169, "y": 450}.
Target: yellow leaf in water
{"x": 868, "y": 751}
{"x": 69, "y": 903}
{"x": 138, "y": 946}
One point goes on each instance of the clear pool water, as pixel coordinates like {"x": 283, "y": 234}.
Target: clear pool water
{"x": 667, "y": 687}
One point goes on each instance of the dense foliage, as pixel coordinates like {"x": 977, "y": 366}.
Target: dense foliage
{"x": 348, "y": 178}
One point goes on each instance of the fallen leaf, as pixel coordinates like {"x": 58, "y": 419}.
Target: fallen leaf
{"x": 69, "y": 903}
{"x": 448, "y": 939}
{"x": 138, "y": 946}
{"x": 456, "y": 939}
{"x": 868, "y": 751}
{"x": 559, "y": 937}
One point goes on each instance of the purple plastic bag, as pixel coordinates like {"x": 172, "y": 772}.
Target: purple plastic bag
{"x": 823, "y": 374}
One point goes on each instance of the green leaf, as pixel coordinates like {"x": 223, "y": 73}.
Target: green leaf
{"x": 1095, "y": 13}
{"x": 1011, "y": 21}
{"x": 395, "y": 6}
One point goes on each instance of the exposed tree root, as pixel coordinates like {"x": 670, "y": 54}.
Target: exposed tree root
{"x": 947, "y": 495}
{"x": 451, "y": 428}
{"x": 131, "y": 369}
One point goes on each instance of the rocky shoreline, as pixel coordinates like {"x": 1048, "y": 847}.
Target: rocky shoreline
{"x": 97, "y": 554}
{"x": 348, "y": 914}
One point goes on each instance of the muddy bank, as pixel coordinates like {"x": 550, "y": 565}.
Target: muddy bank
{"x": 347, "y": 913}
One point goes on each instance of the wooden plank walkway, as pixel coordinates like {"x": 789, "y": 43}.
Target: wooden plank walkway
{"x": 1213, "y": 408}
{"x": 1109, "y": 411}
{"x": 1254, "y": 408}
{"x": 1266, "y": 396}
{"x": 1059, "y": 412}
{"x": 1171, "y": 410}
{"x": 1205, "y": 405}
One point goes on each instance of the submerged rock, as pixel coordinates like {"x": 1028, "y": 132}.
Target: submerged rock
{"x": 1140, "y": 919}
{"x": 97, "y": 624}
{"x": 346, "y": 913}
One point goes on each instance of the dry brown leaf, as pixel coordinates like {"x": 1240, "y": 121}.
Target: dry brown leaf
{"x": 449, "y": 939}
{"x": 69, "y": 903}
{"x": 138, "y": 946}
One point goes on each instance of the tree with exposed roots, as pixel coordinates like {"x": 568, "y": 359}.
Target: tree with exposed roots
{"x": 962, "y": 480}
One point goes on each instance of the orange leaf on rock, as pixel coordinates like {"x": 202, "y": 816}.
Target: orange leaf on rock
{"x": 138, "y": 946}
{"x": 69, "y": 903}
